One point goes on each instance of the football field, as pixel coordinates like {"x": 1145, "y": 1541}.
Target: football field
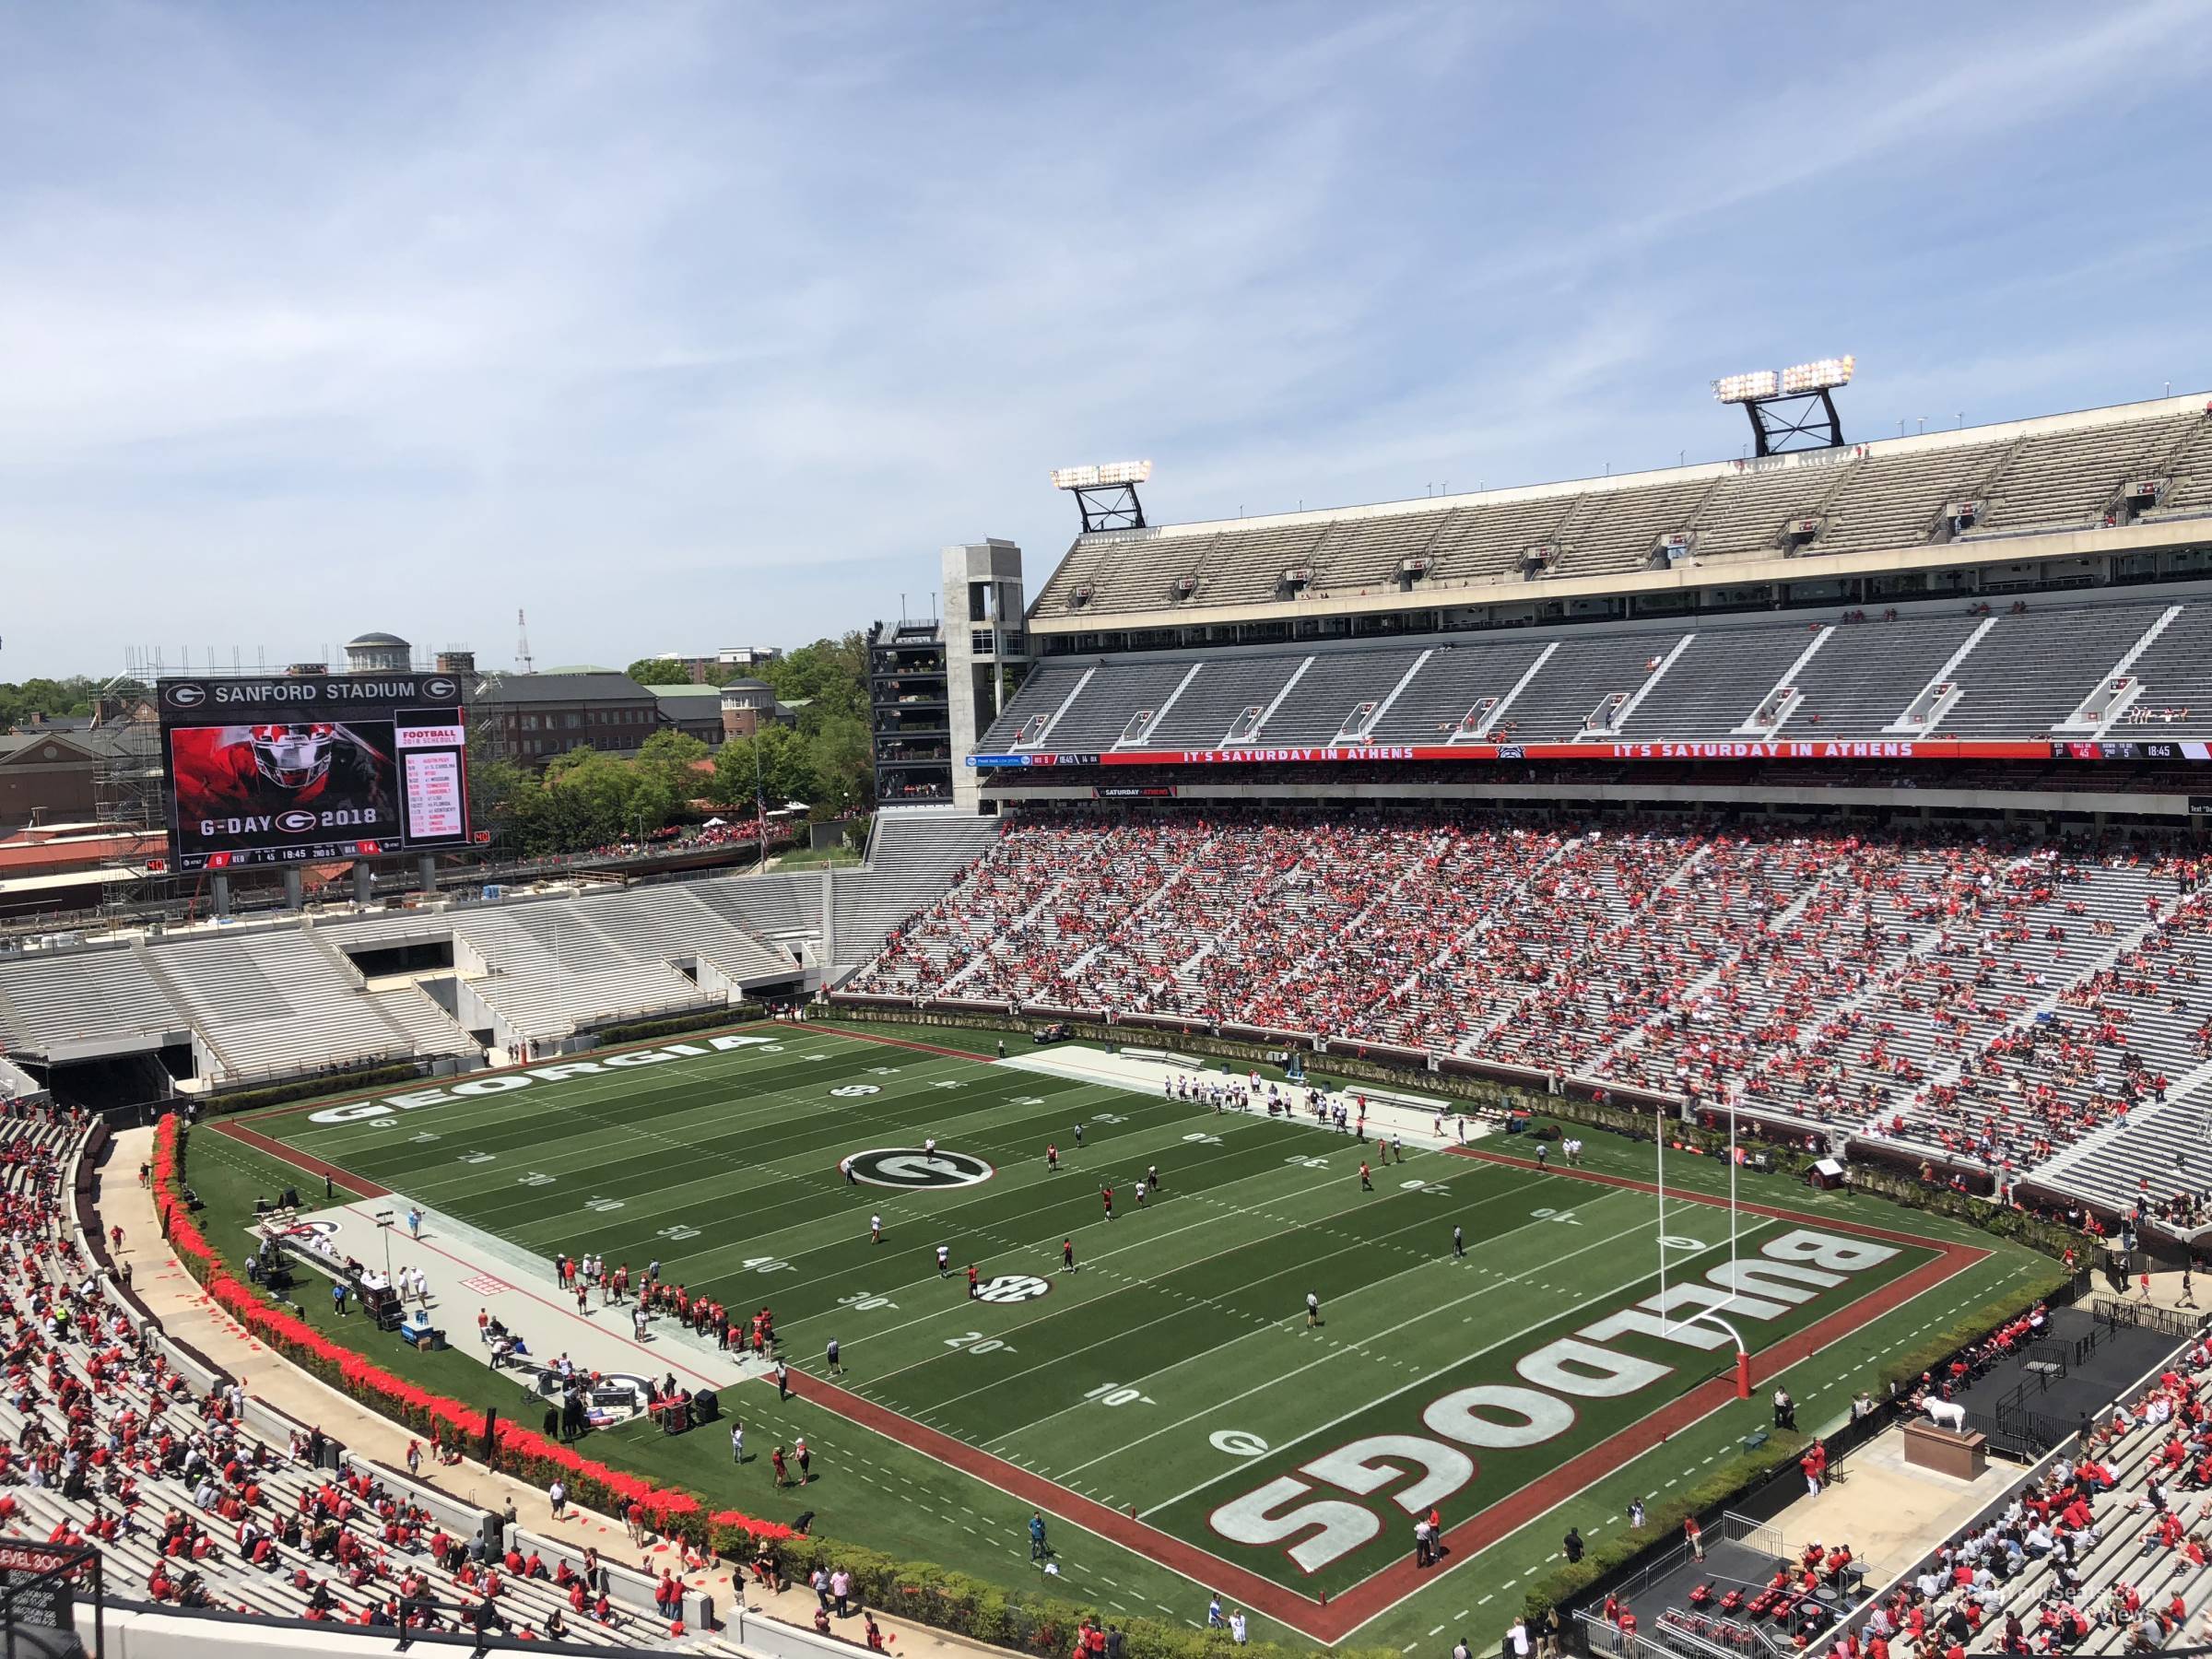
{"x": 1167, "y": 1404}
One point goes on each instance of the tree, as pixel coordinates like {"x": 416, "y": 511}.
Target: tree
{"x": 844, "y": 765}
{"x": 667, "y": 756}
{"x": 777, "y": 761}
{"x": 658, "y": 671}
{"x": 48, "y": 697}
{"x": 830, "y": 676}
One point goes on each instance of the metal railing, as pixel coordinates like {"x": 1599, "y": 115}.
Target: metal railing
{"x": 2167, "y": 1322}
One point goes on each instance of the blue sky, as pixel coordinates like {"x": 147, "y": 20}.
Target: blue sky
{"x": 689, "y": 325}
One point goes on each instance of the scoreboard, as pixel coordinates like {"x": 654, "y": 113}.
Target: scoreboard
{"x": 293, "y": 768}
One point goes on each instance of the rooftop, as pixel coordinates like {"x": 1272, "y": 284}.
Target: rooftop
{"x": 561, "y": 686}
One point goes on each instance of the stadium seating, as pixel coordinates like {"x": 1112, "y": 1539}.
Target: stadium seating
{"x": 2189, "y": 469}
{"x": 2017, "y": 676}
{"x": 266, "y": 1000}
{"x": 914, "y": 855}
{"x": 2101, "y": 1552}
{"x": 83, "y": 1002}
{"x": 199, "y": 1497}
{"x": 2055, "y": 473}
{"x": 2069, "y": 480}
{"x": 259, "y": 1005}
{"x": 1993, "y": 1000}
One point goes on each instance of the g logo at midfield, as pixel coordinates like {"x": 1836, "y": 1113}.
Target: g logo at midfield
{"x": 912, "y": 1167}
{"x": 1012, "y": 1288}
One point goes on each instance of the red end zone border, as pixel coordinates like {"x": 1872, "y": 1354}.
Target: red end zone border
{"x": 1331, "y": 1621}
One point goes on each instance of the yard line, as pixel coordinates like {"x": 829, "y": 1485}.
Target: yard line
{"x": 723, "y": 1125}
{"x": 1139, "y": 1243}
{"x": 940, "y": 1218}
{"x": 1210, "y": 1302}
{"x": 1609, "y": 1240}
{"x": 1359, "y": 1346}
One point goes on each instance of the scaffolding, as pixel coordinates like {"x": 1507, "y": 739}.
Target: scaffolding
{"x": 126, "y": 791}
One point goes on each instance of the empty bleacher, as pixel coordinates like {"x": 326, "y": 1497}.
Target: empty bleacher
{"x": 1458, "y": 675}
{"x": 2189, "y": 473}
{"x": 1323, "y": 698}
{"x": 2069, "y": 480}
{"x": 1710, "y": 689}
{"x": 1213, "y": 698}
{"x": 2175, "y": 671}
{"x": 2053, "y": 474}
{"x": 2023, "y": 679}
{"x": 273, "y": 1003}
{"x": 71, "y": 1003}
{"x": 1867, "y": 674}
{"x": 768, "y": 905}
{"x": 2029, "y": 673}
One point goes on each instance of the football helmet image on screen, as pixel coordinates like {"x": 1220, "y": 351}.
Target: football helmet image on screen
{"x": 284, "y": 784}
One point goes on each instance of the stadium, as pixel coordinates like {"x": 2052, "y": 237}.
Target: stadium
{"x": 1619, "y": 1065}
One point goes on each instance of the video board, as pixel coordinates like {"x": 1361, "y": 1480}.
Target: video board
{"x": 294, "y": 769}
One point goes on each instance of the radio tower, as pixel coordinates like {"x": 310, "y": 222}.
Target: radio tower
{"x": 521, "y": 643}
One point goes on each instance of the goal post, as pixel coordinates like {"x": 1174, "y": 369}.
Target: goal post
{"x": 1711, "y": 1314}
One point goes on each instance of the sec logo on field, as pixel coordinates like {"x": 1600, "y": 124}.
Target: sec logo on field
{"x": 1012, "y": 1288}
{"x": 916, "y": 1170}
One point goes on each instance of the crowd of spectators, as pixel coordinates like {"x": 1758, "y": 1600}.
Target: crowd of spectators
{"x": 2104, "y": 1551}
{"x": 1988, "y": 997}
{"x": 103, "y": 1441}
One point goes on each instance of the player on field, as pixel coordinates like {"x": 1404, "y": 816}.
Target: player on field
{"x": 1140, "y": 1195}
{"x": 1078, "y": 1137}
{"x": 944, "y": 1262}
{"x": 1459, "y": 1242}
{"x": 1366, "y": 1181}
{"x": 837, "y": 1366}
{"x": 971, "y": 1282}
{"x": 1152, "y": 1177}
{"x": 1397, "y": 1145}
{"x": 875, "y": 1230}
{"x": 929, "y": 1146}
{"x": 1052, "y": 1156}
{"x": 1067, "y": 1254}
{"x": 1106, "y": 1197}
{"x": 1313, "y": 1310}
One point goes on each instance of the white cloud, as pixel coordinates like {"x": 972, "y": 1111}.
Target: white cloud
{"x": 706, "y": 320}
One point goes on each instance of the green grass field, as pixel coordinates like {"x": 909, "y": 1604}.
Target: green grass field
{"x": 1175, "y": 1373}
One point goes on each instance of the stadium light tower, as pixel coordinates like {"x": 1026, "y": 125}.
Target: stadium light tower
{"x": 1793, "y": 410}
{"x": 1106, "y": 496}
